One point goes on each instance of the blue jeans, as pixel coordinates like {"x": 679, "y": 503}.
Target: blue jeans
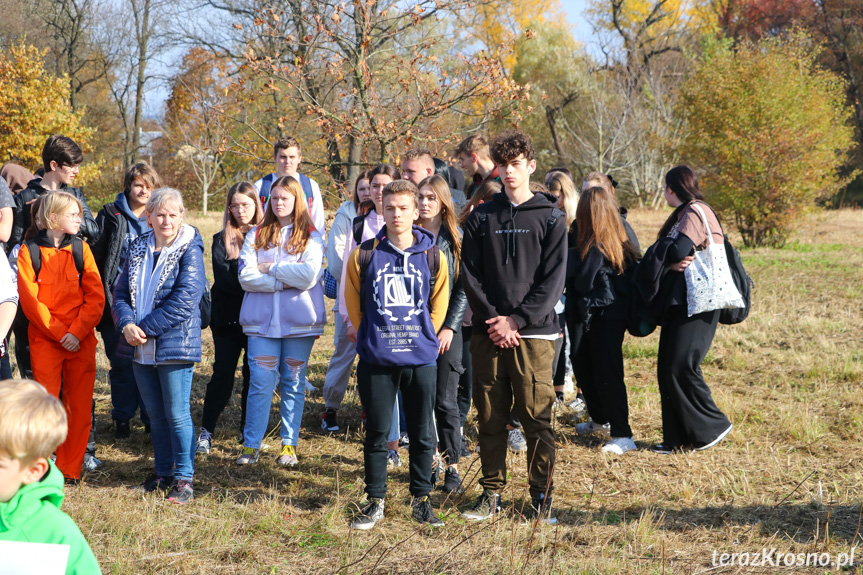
{"x": 165, "y": 390}
{"x": 272, "y": 361}
{"x": 125, "y": 398}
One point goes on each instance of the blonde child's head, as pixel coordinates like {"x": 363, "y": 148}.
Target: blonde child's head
{"x": 32, "y": 424}
{"x": 52, "y": 207}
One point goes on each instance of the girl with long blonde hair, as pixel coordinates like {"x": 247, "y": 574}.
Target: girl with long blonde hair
{"x": 437, "y": 215}
{"x": 282, "y": 314}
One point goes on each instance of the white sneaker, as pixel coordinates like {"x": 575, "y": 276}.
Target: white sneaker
{"x": 91, "y": 463}
{"x": 515, "y": 441}
{"x": 578, "y": 407}
{"x": 591, "y": 426}
{"x": 619, "y": 445}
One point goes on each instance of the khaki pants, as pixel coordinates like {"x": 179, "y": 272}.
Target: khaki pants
{"x": 521, "y": 376}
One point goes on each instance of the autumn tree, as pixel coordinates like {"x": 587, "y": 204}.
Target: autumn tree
{"x": 630, "y": 128}
{"x": 765, "y": 155}
{"x": 197, "y": 125}
{"x": 756, "y": 19}
{"x": 374, "y": 76}
{"x": 33, "y": 105}
{"x": 498, "y": 24}
{"x": 556, "y": 68}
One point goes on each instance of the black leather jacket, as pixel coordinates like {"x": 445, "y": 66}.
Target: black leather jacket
{"x": 457, "y": 297}
{"x": 22, "y": 216}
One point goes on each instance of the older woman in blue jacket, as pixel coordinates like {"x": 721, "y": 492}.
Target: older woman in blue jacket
{"x": 157, "y": 309}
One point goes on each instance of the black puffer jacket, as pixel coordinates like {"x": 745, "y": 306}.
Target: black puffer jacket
{"x": 22, "y": 216}
{"x": 592, "y": 284}
{"x": 227, "y": 293}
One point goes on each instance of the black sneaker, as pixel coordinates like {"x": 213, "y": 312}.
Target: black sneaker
{"x": 154, "y": 482}
{"x": 122, "y": 429}
{"x": 369, "y": 517}
{"x": 181, "y": 492}
{"x": 464, "y": 451}
{"x": 422, "y": 512}
{"x": 540, "y": 510}
{"x": 330, "y": 424}
{"x": 436, "y": 469}
{"x": 485, "y": 507}
{"x": 452, "y": 481}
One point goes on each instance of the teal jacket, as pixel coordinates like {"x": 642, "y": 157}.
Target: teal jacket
{"x": 33, "y": 516}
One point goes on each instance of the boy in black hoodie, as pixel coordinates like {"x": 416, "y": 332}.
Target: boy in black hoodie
{"x": 60, "y": 158}
{"x": 514, "y": 268}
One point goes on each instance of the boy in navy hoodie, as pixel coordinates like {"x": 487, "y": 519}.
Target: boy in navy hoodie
{"x": 122, "y": 221}
{"x": 397, "y": 293}
{"x": 513, "y": 270}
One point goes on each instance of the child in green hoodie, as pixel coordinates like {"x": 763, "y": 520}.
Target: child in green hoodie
{"x": 32, "y": 425}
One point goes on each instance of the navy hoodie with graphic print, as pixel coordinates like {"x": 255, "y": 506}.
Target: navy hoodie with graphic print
{"x": 398, "y": 327}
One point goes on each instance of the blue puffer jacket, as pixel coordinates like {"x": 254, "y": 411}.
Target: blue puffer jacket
{"x": 174, "y": 324}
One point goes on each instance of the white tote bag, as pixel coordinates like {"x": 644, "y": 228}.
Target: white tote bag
{"x": 709, "y": 285}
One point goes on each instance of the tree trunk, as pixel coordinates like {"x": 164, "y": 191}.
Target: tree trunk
{"x": 334, "y": 161}
{"x": 205, "y": 185}
{"x": 355, "y": 150}
{"x": 551, "y": 118}
{"x": 143, "y": 33}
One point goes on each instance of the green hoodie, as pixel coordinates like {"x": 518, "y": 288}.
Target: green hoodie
{"x": 33, "y": 516}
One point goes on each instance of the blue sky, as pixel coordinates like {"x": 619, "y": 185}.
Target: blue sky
{"x": 580, "y": 28}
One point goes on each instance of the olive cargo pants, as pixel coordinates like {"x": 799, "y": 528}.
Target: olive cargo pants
{"x": 517, "y": 378}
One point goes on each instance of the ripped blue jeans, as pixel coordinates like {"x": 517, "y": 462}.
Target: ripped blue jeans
{"x": 272, "y": 361}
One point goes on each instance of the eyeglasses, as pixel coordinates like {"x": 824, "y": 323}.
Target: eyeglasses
{"x": 241, "y": 207}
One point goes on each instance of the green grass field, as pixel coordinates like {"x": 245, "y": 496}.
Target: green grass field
{"x": 788, "y": 477}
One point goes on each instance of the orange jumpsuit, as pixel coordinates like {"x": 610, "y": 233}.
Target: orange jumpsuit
{"x": 56, "y": 305}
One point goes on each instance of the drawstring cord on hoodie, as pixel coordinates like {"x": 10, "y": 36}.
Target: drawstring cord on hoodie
{"x": 510, "y": 239}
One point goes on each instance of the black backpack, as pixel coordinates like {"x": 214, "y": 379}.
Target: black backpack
{"x": 364, "y": 257}
{"x": 743, "y": 283}
{"x": 357, "y": 228}
{"x": 206, "y": 306}
{"x": 77, "y": 256}
{"x": 549, "y": 225}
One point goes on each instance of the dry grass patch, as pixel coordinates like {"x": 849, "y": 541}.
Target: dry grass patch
{"x": 788, "y": 476}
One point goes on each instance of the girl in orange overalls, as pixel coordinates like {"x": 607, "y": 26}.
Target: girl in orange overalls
{"x": 63, "y": 306}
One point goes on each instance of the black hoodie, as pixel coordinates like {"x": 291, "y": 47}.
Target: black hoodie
{"x": 514, "y": 262}
{"x": 23, "y": 204}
